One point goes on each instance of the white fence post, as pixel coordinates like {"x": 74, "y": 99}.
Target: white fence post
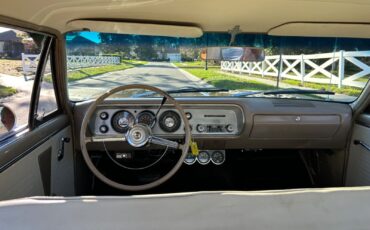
{"x": 341, "y": 68}
{"x": 29, "y": 65}
{"x": 303, "y": 69}
{"x": 280, "y": 71}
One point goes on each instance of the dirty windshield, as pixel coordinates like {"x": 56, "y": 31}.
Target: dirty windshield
{"x": 333, "y": 69}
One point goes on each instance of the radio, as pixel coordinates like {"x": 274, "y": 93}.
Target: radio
{"x": 215, "y": 128}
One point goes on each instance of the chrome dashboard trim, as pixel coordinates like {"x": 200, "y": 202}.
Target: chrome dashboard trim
{"x": 237, "y": 111}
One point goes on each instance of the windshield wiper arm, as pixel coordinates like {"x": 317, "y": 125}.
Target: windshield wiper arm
{"x": 185, "y": 90}
{"x": 284, "y": 91}
{"x": 197, "y": 90}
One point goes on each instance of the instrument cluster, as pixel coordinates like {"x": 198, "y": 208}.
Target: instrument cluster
{"x": 120, "y": 121}
{"x": 112, "y": 122}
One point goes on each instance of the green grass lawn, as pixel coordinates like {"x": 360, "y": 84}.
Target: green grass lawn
{"x": 6, "y": 91}
{"x": 79, "y": 74}
{"x": 225, "y": 81}
{"x": 222, "y": 80}
{"x": 347, "y": 90}
{"x": 195, "y": 64}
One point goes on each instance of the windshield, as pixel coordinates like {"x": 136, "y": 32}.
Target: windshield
{"x": 97, "y": 62}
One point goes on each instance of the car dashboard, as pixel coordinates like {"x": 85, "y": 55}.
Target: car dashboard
{"x": 220, "y": 124}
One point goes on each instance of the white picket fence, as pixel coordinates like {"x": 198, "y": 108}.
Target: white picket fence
{"x": 75, "y": 62}
{"x": 30, "y": 61}
{"x": 295, "y": 67}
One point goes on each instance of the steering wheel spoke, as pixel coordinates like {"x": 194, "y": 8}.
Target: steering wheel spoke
{"x": 164, "y": 142}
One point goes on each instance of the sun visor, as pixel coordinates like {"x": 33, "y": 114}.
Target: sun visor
{"x": 136, "y": 28}
{"x": 351, "y": 30}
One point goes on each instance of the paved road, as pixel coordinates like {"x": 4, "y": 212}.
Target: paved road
{"x": 162, "y": 75}
{"x": 19, "y": 103}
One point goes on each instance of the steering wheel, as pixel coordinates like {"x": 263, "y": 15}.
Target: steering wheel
{"x": 137, "y": 136}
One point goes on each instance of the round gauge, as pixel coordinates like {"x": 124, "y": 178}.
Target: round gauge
{"x": 204, "y": 157}
{"x": 147, "y": 118}
{"x": 122, "y": 121}
{"x": 190, "y": 159}
{"x": 218, "y": 157}
{"x": 169, "y": 121}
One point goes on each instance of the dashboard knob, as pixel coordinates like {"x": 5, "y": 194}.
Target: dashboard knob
{"x": 104, "y": 115}
{"x": 201, "y": 128}
{"x": 103, "y": 129}
{"x": 230, "y": 128}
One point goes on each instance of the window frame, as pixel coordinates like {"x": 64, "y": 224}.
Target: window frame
{"x": 46, "y": 47}
{"x": 49, "y": 54}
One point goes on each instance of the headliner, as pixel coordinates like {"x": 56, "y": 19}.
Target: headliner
{"x": 210, "y": 15}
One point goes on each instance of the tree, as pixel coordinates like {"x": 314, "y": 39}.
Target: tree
{"x": 145, "y": 47}
{"x": 116, "y": 44}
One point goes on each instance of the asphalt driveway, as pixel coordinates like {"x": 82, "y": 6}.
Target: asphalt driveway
{"x": 162, "y": 75}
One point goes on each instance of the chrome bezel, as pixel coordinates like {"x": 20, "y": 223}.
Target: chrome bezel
{"x": 220, "y": 151}
{"x": 190, "y": 163}
{"x": 209, "y": 159}
{"x": 146, "y": 112}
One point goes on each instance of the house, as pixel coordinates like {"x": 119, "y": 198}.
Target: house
{"x": 11, "y": 45}
{"x": 78, "y": 45}
{"x": 174, "y": 57}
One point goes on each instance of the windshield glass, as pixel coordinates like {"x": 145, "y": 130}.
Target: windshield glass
{"x": 97, "y": 62}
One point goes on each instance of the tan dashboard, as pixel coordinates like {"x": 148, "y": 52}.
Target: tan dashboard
{"x": 230, "y": 123}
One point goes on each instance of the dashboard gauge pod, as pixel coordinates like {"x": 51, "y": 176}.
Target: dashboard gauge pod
{"x": 204, "y": 157}
{"x": 146, "y": 117}
{"x": 122, "y": 121}
{"x": 169, "y": 121}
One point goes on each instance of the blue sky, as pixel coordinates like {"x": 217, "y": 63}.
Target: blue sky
{"x": 93, "y": 36}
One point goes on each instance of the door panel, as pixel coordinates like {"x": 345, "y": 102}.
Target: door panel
{"x": 29, "y": 166}
{"x": 358, "y": 169}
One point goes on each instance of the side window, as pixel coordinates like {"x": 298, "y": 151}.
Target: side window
{"x": 47, "y": 99}
{"x": 19, "y": 56}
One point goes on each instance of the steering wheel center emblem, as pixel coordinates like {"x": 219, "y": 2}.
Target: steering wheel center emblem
{"x": 138, "y": 135}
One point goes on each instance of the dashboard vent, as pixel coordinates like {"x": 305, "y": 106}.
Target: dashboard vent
{"x": 296, "y": 103}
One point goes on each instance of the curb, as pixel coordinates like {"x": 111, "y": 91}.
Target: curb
{"x": 193, "y": 78}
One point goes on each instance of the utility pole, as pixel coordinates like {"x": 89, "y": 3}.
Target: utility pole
{"x": 206, "y": 66}
{"x": 279, "y": 71}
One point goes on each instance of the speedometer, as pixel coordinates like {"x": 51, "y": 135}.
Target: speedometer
{"x": 147, "y": 118}
{"x": 122, "y": 121}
